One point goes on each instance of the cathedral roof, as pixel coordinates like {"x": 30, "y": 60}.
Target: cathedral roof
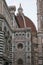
{"x": 24, "y": 21}
{"x": 28, "y": 22}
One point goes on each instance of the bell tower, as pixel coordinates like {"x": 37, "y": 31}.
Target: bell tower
{"x": 40, "y": 31}
{"x": 40, "y": 14}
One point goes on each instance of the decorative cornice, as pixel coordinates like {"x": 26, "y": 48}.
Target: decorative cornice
{"x": 2, "y": 17}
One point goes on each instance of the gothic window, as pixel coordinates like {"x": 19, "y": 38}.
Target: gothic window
{"x": 36, "y": 45}
{"x": 6, "y": 63}
{"x": 0, "y": 25}
{"x": 28, "y": 57}
{"x": 20, "y": 46}
{"x": 28, "y": 43}
{"x": 20, "y": 62}
{"x": 4, "y": 28}
{"x": 10, "y": 38}
{"x": 28, "y": 48}
{"x": 42, "y": 19}
{"x": 28, "y": 34}
{"x": 8, "y": 32}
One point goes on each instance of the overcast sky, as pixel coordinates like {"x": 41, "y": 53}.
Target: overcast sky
{"x": 29, "y": 8}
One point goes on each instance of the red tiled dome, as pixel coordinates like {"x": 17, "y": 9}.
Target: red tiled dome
{"x": 29, "y": 23}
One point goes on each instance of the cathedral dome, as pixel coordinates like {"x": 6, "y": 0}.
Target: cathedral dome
{"x": 24, "y": 21}
{"x": 28, "y": 22}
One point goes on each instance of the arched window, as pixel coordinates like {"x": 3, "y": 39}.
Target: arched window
{"x": 6, "y": 63}
{"x": 28, "y": 57}
{"x": 28, "y": 35}
{"x": 0, "y": 25}
{"x": 20, "y": 62}
{"x": 20, "y": 46}
{"x": 5, "y": 28}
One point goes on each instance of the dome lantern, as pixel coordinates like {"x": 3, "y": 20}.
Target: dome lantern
{"x": 20, "y": 9}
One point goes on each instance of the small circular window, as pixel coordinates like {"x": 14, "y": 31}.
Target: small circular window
{"x": 20, "y": 46}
